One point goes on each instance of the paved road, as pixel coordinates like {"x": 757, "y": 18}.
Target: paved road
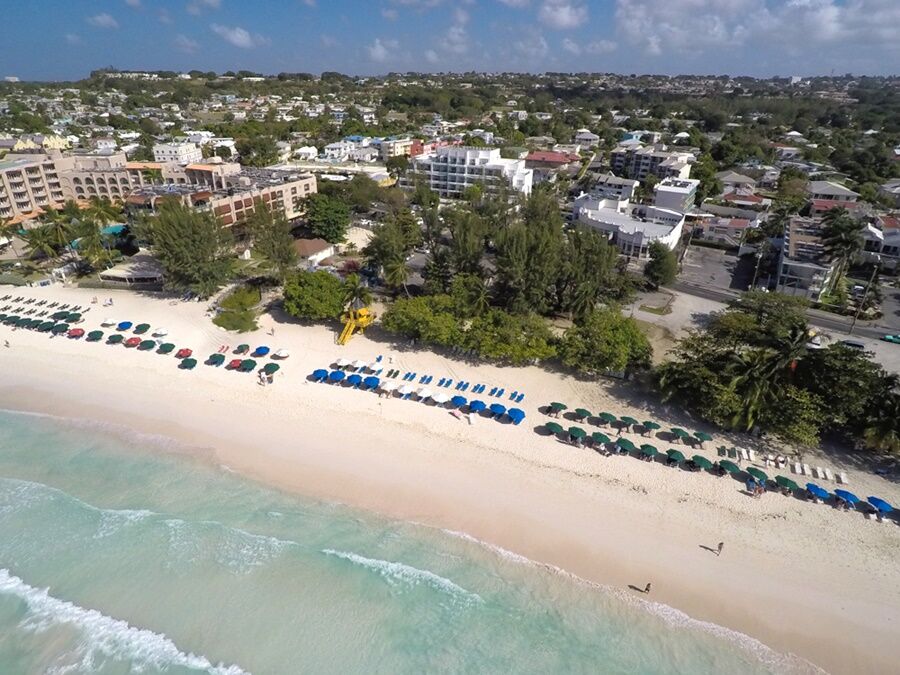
{"x": 837, "y": 324}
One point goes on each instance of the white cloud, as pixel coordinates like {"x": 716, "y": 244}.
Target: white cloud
{"x": 73, "y": 38}
{"x": 601, "y": 47}
{"x": 239, "y": 37}
{"x": 432, "y": 56}
{"x": 390, "y": 13}
{"x": 185, "y": 44}
{"x": 516, "y": 3}
{"x": 532, "y": 48}
{"x": 103, "y": 20}
{"x": 197, "y": 6}
{"x": 328, "y": 41}
{"x": 309, "y": 3}
{"x": 382, "y": 50}
{"x": 164, "y": 16}
{"x": 571, "y": 46}
{"x": 133, "y": 3}
{"x": 563, "y": 14}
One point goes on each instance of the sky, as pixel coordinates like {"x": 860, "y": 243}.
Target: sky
{"x": 66, "y": 39}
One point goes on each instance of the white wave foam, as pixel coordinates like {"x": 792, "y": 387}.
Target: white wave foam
{"x": 499, "y": 550}
{"x": 394, "y": 572}
{"x": 238, "y": 549}
{"x": 104, "y": 636}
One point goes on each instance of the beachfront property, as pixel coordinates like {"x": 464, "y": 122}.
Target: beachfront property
{"x": 451, "y": 170}
{"x": 28, "y": 184}
{"x": 634, "y": 160}
{"x": 802, "y": 269}
{"x": 632, "y": 228}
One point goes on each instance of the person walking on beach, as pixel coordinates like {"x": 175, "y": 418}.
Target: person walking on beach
{"x": 720, "y": 547}
{"x": 647, "y": 589}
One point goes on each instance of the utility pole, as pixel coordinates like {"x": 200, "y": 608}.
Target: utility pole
{"x": 864, "y": 297}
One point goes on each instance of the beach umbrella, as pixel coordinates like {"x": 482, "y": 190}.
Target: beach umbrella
{"x": 215, "y": 360}
{"x": 247, "y": 365}
{"x": 234, "y": 364}
{"x": 188, "y": 364}
{"x": 702, "y": 436}
{"x": 609, "y": 418}
{"x": 675, "y": 455}
{"x": 558, "y": 407}
{"x": 625, "y": 444}
{"x": 60, "y": 328}
{"x": 166, "y": 348}
{"x": 342, "y": 362}
{"x": 371, "y": 382}
{"x": 758, "y": 474}
{"x": 458, "y": 401}
{"x": 262, "y": 350}
{"x": 702, "y": 462}
{"x": 160, "y": 332}
{"x": 577, "y": 432}
{"x": 282, "y": 354}
{"x": 649, "y": 426}
{"x": 95, "y": 335}
{"x": 581, "y": 413}
{"x": 76, "y": 333}
{"x": 405, "y": 390}
{"x": 477, "y": 406}
{"x": 146, "y": 344}
{"x": 24, "y": 321}
{"x": 816, "y": 491}
{"x": 355, "y": 380}
{"x": 242, "y": 349}
{"x": 649, "y": 450}
{"x": 183, "y": 353}
{"x": 847, "y": 496}
{"x": 124, "y": 325}
{"x": 424, "y": 392}
{"x": 730, "y": 466}
{"x": 880, "y": 504}
{"x": 553, "y": 427}
{"x": 320, "y": 374}
{"x": 516, "y": 415}
{"x": 132, "y": 342}
{"x": 108, "y": 322}
{"x": 12, "y": 318}
{"x": 35, "y": 323}
{"x": 115, "y": 339}
{"x": 336, "y": 375}
{"x": 74, "y": 317}
{"x": 271, "y": 368}
{"x": 389, "y": 386}
{"x": 628, "y": 421}
{"x": 141, "y": 328}
{"x": 440, "y": 398}
{"x": 359, "y": 363}
{"x": 599, "y": 438}
{"x": 680, "y": 433}
{"x": 786, "y": 483}
{"x": 497, "y": 409}
{"x": 59, "y": 316}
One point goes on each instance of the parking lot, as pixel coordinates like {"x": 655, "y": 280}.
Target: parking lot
{"x": 718, "y": 269}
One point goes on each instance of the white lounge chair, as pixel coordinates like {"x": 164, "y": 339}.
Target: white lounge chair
{"x": 828, "y": 474}
{"x": 770, "y": 460}
{"x": 842, "y": 478}
{"x": 798, "y": 469}
{"x": 806, "y": 470}
{"x": 818, "y": 472}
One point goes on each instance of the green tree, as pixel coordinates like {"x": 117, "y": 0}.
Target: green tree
{"x": 194, "y": 249}
{"x": 257, "y": 151}
{"x": 397, "y": 165}
{"x": 511, "y": 338}
{"x": 41, "y": 241}
{"x": 470, "y": 295}
{"x": 102, "y": 211}
{"x": 328, "y": 217}
{"x": 662, "y": 267}
{"x": 272, "y": 238}
{"x": 396, "y": 274}
{"x": 842, "y": 238}
{"x": 605, "y": 341}
{"x": 882, "y": 425}
{"x": 356, "y": 292}
{"x": 427, "y": 318}
{"x": 314, "y": 295}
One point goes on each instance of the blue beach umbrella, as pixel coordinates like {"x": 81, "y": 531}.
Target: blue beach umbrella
{"x": 515, "y": 413}
{"x": 320, "y": 374}
{"x": 847, "y": 496}
{"x": 880, "y": 504}
{"x": 355, "y": 380}
{"x": 477, "y": 406}
{"x": 371, "y": 382}
{"x": 125, "y": 325}
{"x": 261, "y": 351}
{"x": 336, "y": 375}
{"x": 497, "y": 409}
{"x": 458, "y": 401}
{"x": 815, "y": 490}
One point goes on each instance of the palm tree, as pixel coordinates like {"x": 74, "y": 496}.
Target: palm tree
{"x": 882, "y": 429}
{"x": 396, "y": 273}
{"x": 842, "y": 239}
{"x": 102, "y": 211}
{"x": 41, "y": 240}
{"x": 755, "y": 376}
{"x": 59, "y": 226}
{"x": 356, "y": 292}
{"x": 71, "y": 210}
{"x": 91, "y": 244}
{"x": 153, "y": 176}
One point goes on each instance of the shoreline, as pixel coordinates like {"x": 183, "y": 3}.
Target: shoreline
{"x": 789, "y": 577}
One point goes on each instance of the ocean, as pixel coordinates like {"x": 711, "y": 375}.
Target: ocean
{"x": 120, "y": 553}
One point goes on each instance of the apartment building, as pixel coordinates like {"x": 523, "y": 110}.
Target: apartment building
{"x": 452, "y": 170}
{"x": 632, "y": 228}
{"x": 802, "y": 268}
{"x": 677, "y": 194}
{"x": 179, "y": 153}
{"x": 396, "y": 147}
{"x": 28, "y": 184}
{"x": 638, "y": 161}
{"x": 610, "y": 186}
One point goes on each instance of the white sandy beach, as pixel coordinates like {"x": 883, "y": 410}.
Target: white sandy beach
{"x": 801, "y": 577}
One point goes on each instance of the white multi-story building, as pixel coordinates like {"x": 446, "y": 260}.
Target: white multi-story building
{"x": 636, "y": 161}
{"x": 677, "y": 194}
{"x": 178, "y": 153}
{"x": 611, "y": 186}
{"x": 453, "y": 169}
{"x": 632, "y": 228}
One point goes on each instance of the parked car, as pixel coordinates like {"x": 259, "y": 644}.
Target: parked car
{"x": 891, "y": 338}
{"x": 854, "y": 344}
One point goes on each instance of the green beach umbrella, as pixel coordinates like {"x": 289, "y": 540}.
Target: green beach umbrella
{"x": 95, "y": 335}
{"x": 115, "y": 339}
{"x": 216, "y": 359}
{"x": 675, "y": 455}
{"x": 649, "y": 450}
{"x": 24, "y": 321}
{"x": 60, "y": 328}
{"x": 59, "y": 316}
{"x": 702, "y": 436}
{"x": 702, "y": 462}
{"x": 553, "y": 427}
{"x": 577, "y": 432}
{"x": 242, "y": 349}
{"x": 628, "y": 421}
{"x": 649, "y": 426}
{"x": 11, "y": 319}
{"x": 166, "y": 348}
{"x": 188, "y": 364}
{"x": 756, "y": 473}
{"x": 146, "y": 344}
{"x": 609, "y": 418}
{"x": 73, "y": 317}
{"x": 730, "y": 466}
{"x": 581, "y": 413}
{"x": 625, "y": 444}
{"x": 680, "y": 433}
{"x": 271, "y": 368}
{"x": 247, "y": 365}
{"x": 558, "y": 407}
{"x": 600, "y": 438}
{"x": 786, "y": 483}
{"x": 47, "y": 325}
{"x": 141, "y": 328}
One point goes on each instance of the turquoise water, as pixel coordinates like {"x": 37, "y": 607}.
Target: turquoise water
{"x": 116, "y": 557}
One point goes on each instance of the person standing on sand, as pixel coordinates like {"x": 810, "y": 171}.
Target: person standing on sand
{"x": 720, "y": 547}
{"x": 647, "y": 588}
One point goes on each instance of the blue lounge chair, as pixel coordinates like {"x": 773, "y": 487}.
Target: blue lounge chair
{"x": 512, "y": 396}
{"x": 493, "y": 392}
{"x": 441, "y": 381}
{"x": 500, "y": 393}
{"x": 448, "y": 383}
{"x": 520, "y": 398}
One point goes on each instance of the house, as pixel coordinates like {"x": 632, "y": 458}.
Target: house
{"x": 338, "y": 151}
{"x": 732, "y": 181}
{"x": 313, "y": 251}
{"x": 744, "y": 197}
{"x": 819, "y": 207}
{"x": 891, "y": 192}
{"x": 723, "y": 230}
{"x": 586, "y": 138}
{"x": 307, "y": 153}
{"x": 825, "y": 189}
